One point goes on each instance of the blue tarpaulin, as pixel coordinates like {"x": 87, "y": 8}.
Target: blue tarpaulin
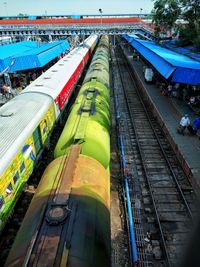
{"x": 189, "y": 51}
{"x": 129, "y": 37}
{"x": 169, "y": 64}
{"x": 29, "y": 54}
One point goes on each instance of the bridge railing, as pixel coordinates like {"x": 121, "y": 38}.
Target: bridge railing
{"x": 80, "y": 26}
{"x": 61, "y": 29}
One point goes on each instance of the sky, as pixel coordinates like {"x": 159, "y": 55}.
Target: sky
{"x": 74, "y": 7}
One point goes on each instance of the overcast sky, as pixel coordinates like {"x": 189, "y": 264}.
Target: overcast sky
{"x": 76, "y": 7}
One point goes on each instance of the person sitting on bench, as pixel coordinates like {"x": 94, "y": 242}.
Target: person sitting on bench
{"x": 196, "y": 124}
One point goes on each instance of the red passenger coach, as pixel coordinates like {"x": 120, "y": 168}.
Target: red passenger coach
{"x": 87, "y": 56}
{"x": 63, "y": 97}
{"x": 59, "y": 81}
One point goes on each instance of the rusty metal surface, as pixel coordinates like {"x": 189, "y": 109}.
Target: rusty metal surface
{"x": 67, "y": 174}
{"x": 68, "y": 220}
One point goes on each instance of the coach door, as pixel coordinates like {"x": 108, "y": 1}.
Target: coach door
{"x": 37, "y": 137}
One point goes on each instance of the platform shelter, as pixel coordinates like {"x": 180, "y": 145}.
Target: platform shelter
{"x": 30, "y": 54}
{"x": 171, "y": 65}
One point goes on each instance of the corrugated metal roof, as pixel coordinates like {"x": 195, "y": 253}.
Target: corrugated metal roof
{"x": 183, "y": 69}
{"x": 29, "y": 54}
{"x": 17, "y": 49}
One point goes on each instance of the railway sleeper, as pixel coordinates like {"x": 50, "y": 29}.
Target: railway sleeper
{"x": 165, "y": 193}
{"x": 157, "y": 253}
{"x": 173, "y": 217}
{"x": 167, "y": 207}
{"x": 163, "y": 183}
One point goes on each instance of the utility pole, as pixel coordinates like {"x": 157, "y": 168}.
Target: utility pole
{"x": 141, "y": 9}
{"x": 101, "y": 11}
{"x": 6, "y": 9}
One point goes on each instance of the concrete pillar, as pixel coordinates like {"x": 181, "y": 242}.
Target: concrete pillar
{"x": 50, "y": 38}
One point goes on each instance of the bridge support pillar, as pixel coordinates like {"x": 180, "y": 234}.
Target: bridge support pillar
{"x": 50, "y": 38}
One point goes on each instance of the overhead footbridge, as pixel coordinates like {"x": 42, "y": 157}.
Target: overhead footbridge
{"x": 69, "y": 26}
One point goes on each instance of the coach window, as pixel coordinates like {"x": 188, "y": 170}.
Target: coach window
{"x": 37, "y": 138}
{"x": 9, "y": 189}
{"x": 22, "y": 167}
{"x": 1, "y": 202}
{"x": 16, "y": 177}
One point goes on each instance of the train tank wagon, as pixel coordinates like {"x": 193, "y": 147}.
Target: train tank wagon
{"x": 99, "y": 67}
{"x": 23, "y": 134}
{"x": 60, "y": 80}
{"x": 68, "y": 221}
{"x": 89, "y": 121}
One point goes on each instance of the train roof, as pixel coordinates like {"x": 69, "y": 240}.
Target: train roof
{"x": 18, "y": 119}
{"x": 90, "y": 40}
{"x": 55, "y": 78}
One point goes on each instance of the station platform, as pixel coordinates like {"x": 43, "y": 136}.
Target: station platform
{"x": 4, "y": 99}
{"x": 169, "y": 112}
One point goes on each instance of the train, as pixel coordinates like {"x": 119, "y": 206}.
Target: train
{"x": 27, "y": 121}
{"x": 89, "y": 121}
{"x": 68, "y": 220}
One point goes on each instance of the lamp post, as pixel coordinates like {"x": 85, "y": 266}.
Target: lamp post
{"x": 141, "y": 9}
{"x": 101, "y": 11}
{"x": 6, "y": 9}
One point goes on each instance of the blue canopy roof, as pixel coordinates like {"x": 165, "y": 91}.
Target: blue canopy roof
{"x": 29, "y": 54}
{"x": 168, "y": 63}
{"x": 189, "y": 51}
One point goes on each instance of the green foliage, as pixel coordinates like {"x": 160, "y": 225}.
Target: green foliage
{"x": 165, "y": 14}
{"x": 185, "y": 36}
{"x": 191, "y": 11}
{"x": 22, "y": 15}
{"x": 197, "y": 41}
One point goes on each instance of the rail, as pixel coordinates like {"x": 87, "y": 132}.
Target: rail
{"x": 126, "y": 185}
{"x": 163, "y": 152}
{"x": 179, "y": 195}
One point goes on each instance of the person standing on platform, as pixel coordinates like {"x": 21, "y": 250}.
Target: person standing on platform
{"x": 184, "y": 123}
{"x": 10, "y": 92}
{"x": 185, "y": 93}
{"x": 169, "y": 89}
{"x": 163, "y": 90}
{"x": 4, "y": 90}
{"x": 33, "y": 76}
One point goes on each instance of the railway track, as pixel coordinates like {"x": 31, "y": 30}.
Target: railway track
{"x": 162, "y": 199}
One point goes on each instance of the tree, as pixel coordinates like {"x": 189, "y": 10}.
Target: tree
{"x": 191, "y": 12}
{"x": 190, "y": 32}
{"x": 22, "y": 15}
{"x": 165, "y": 14}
